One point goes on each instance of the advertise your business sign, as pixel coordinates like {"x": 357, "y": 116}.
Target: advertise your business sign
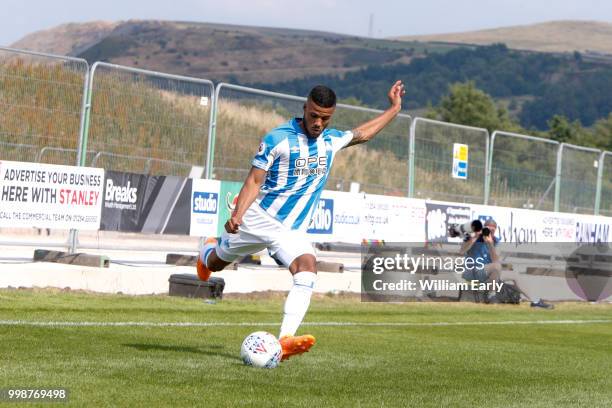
{"x": 50, "y": 196}
{"x": 205, "y": 204}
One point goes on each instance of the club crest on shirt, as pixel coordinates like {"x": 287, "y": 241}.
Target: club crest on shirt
{"x": 262, "y": 148}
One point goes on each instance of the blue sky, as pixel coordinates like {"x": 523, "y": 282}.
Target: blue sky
{"x": 391, "y": 18}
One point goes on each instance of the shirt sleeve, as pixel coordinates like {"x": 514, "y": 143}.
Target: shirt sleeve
{"x": 340, "y": 138}
{"x": 265, "y": 155}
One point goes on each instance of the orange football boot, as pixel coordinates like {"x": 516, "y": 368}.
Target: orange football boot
{"x": 202, "y": 269}
{"x": 293, "y": 345}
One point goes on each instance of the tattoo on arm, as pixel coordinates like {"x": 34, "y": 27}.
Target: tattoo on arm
{"x": 357, "y": 138}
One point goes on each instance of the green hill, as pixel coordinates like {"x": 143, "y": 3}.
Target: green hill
{"x": 533, "y": 86}
{"x": 536, "y": 86}
{"x": 223, "y": 52}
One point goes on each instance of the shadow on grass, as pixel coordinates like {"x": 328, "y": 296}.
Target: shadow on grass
{"x": 210, "y": 351}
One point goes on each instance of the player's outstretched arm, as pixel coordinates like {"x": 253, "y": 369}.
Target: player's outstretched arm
{"x": 247, "y": 195}
{"x": 368, "y": 130}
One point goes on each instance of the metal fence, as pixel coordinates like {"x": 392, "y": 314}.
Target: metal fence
{"x": 603, "y": 200}
{"x": 522, "y": 171}
{"x": 54, "y": 109}
{"x": 140, "y": 120}
{"x": 244, "y": 115}
{"x": 576, "y": 179}
{"x": 41, "y": 104}
{"x": 431, "y": 161}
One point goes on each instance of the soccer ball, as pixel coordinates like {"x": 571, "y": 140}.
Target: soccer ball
{"x": 262, "y": 350}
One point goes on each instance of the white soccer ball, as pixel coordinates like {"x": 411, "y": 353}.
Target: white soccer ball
{"x": 262, "y": 350}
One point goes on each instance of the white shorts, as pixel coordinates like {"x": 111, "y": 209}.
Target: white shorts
{"x": 259, "y": 231}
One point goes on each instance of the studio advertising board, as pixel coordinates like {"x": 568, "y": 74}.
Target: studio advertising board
{"x": 337, "y": 218}
{"x": 50, "y": 196}
{"x": 205, "y": 206}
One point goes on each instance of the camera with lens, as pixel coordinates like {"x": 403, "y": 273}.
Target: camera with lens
{"x": 468, "y": 229}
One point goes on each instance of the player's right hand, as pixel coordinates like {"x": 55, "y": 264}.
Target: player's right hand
{"x": 232, "y": 225}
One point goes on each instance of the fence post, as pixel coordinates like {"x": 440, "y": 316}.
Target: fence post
{"x": 558, "y": 177}
{"x": 411, "y": 145}
{"x": 600, "y": 172}
{"x": 486, "y": 170}
{"x": 489, "y": 171}
{"x": 73, "y": 235}
{"x": 212, "y": 132}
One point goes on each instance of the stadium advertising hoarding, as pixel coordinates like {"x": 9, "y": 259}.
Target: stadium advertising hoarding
{"x": 515, "y": 225}
{"x": 227, "y": 201}
{"x": 50, "y": 196}
{"x": 523, "y": 226}
{"x": 591, "y": 229}
{"x": 64, "y": 197}
{"x": 393, "y": 218}
{"x": 205, "y": 205}
{"x": 322, "y": 221}
{"x": 440, "y": 216}
{"x": 145, "y": 203}
{"x": 352, "y": 218}
{"x": 337, "y": 218}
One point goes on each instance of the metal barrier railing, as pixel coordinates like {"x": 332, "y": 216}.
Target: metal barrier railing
{"x": 19, "y": 151}
{"x": 603, "y": 197}
{"x": 431, "y": 161}
{"x": 247, "y": 114}
{"x": 54, "y": 109}
{"x": 42, "y": 100}
{"x": 135, "y": 112}
{"x": 521, "y": 171}
{"x": 150, "y": 165}
{"x": 576, "y": 179}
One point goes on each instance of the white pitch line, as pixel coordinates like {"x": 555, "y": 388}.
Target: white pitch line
{"x": 252, "y": 324}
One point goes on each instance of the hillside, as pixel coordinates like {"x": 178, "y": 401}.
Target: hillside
{"x": 554, "y": 36}
{"x": 223, "y": 52}
{"x": 535, "y": 86}
{"x": 66, "y": 39}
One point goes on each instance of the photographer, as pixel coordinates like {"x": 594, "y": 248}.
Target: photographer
{"x": 481, "y": 244}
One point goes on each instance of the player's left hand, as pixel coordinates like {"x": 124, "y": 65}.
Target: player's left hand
{"x": 395, "y": 94}
{"x": 233, "y": 224}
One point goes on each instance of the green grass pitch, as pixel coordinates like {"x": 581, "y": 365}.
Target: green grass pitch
{"x": 416, "y": 362}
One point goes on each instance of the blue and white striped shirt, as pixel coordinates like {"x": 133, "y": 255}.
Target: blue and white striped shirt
{"x": 297, "y": 168}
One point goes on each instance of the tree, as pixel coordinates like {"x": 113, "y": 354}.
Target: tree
{"x": 602, "y": 133}
{"x": 561, "y": 130}
{"x": 467, "y": 105}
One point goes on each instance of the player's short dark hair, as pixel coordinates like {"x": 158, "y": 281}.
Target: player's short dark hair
{"x": 322, "y": 96}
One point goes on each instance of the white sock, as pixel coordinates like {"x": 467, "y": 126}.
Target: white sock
{"x": 297, "y": 302}
{"x": 206, "y": 251}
